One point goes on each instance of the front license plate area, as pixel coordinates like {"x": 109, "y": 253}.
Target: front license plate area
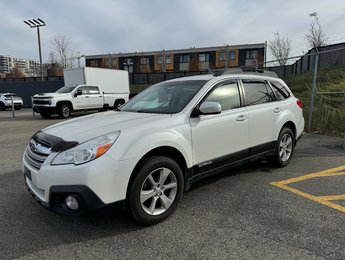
{"x": 27, "y": 173}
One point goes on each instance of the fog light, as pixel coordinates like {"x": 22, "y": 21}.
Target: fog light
{"x": 72, "y": 202}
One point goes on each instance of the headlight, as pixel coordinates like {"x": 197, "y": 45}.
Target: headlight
{"x": 87, "y": 151}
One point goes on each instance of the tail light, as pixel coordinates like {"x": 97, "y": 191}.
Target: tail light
{"x": 299, "y": 103}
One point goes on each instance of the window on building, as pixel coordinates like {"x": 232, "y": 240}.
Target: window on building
{"x": 251, "y": 54}
{"x": 184, "y": 59}
{"x": 94, "y": 63}
{"x": 128, "y": 61}
{"x": 114, "y": 62}
{"x": 222, "y": 55}
{"x": 232, "y": 55}
{"x": 145, "y": 61}
{"x": 167, "y": 59}
{"x": 204, "y": 57}
{"x": 160, "y": 59}
{"x": 257, "y": 92}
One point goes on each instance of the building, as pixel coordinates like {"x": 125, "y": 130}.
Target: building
{"x": 26, "y": 66}
{"x": 193, "y": 59}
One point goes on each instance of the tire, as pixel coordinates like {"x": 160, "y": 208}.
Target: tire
{"x": 284, "y": 148}
{"x": 2, "y": 107}
{"x": 64, "y": 111}
{"x": 45, "y": 114}
{"x": 156, "y": 190}
{"x": 118, "y": 104}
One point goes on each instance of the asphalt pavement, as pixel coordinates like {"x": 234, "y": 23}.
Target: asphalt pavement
{"x": 239, "y": 214}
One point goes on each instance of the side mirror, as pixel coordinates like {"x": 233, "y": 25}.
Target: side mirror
{"x": 207, "y": 108}
{"x": 79, "y": 92}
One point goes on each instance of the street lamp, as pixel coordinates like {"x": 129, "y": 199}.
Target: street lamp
{"x": 37, "y": 23}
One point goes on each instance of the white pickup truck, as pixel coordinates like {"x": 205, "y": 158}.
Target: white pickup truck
{"x": 85, "y": 89}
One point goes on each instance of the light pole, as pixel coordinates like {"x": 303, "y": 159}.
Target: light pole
{"x": 37, "y": 24}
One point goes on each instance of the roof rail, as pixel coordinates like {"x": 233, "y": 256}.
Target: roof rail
{"x": 262, "y": 72}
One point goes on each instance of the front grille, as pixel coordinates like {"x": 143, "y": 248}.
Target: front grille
{"x": 36, "y": 153}
{"x": 41, "y": 102}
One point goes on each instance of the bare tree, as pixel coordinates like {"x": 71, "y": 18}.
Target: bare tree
{"x": 62, "y": 52}
{"x": 315, "y": 37}
{"x": 280, "y": 48}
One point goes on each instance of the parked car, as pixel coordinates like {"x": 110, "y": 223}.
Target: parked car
{"x": 163, "y": 140}
{"x": 85, "y": 89}
{"x": 6, "y": 101}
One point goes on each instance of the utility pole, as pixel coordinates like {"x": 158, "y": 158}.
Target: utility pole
{"x": 37, "y": 24}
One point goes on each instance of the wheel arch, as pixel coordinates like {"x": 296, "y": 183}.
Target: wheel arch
{"x": 69, "y": 103}
{"x": 166, "y": 151}
{"x": 292, "y": 126}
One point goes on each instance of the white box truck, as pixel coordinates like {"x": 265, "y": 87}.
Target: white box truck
{"x": 85, "y": 89}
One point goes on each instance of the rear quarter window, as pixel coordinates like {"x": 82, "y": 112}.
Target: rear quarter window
{"x": 279, "y": 90}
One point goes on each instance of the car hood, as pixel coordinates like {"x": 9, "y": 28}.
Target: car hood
{"x": 51, "y": 95}
{"x": 91, "y": 126}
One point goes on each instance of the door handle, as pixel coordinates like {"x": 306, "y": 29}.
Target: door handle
{"x": 277, "y": 110}
{"x": 241, "y": 118}
{"x": 86, "y": 96}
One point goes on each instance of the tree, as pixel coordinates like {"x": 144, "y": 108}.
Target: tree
{"x": 280, "y": 48}
{"x": 315, "y": 37}
{"x": 61, "y": 51}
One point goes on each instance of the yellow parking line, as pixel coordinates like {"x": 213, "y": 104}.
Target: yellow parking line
{"x": 324, "y": 200}
{"x": 325, "y": 173}
{"x": 334, "y": 197}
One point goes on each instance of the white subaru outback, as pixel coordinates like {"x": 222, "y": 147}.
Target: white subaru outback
{"x": 174, "y": 133}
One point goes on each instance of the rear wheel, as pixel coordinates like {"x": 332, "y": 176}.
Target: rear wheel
{"x": 64, "y": 111}
{"x": 156, "y": 190}
{"x": 284, "y": 149}
{"x": 118, "y": 104}
{"x": 2, "y": 107}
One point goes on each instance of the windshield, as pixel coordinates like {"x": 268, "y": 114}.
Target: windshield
{"x": 164, "y": 98}
{"x": 66, "y": 89}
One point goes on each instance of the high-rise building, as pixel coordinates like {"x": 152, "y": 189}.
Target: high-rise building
{"x": 29, "y": 67}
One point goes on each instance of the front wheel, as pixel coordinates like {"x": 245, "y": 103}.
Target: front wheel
{"x": 2, "y": 106}
{"x": 156, "y": 190}
{"x": 64, "y": 111}
{"x": 284, "y": 149}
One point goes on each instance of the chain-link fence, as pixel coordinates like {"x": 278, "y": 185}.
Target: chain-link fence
{"x": 318, "y": 80}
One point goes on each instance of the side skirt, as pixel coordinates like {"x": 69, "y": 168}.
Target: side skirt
{"x": 218, "y": 165}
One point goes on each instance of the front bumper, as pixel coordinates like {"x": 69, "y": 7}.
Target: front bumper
{"x": 87, "y": 199}
{"x": 44, "y": 109}
{"x": 98, "y": 184}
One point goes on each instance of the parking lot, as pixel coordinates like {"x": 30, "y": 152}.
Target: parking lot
{"x": 252, "y": 212}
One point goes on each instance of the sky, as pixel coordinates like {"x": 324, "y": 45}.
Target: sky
{"x": 112, "y": 26}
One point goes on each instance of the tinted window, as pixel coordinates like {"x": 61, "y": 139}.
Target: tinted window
{"x": 83, "y": 90}
{"x": 93, "y": 90}
{"x": 280, "y": 90}
{"x": 227, "y": 95}
{"x": 257, "y": 92}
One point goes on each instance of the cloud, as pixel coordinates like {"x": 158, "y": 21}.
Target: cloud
{"x": 108, "y": 26}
